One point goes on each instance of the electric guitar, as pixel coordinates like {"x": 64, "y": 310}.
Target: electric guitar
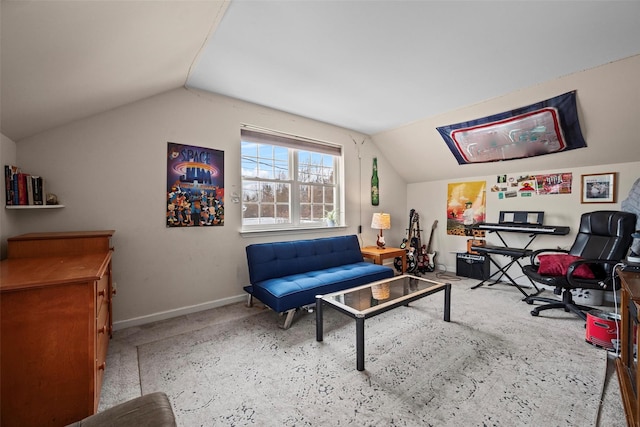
{"x": 414, "y": 242}
{"x": 405, "y": 240}
{"x": 431, "y": 264}
{"x": 421, "y": 256}
{"x": 413, "y": 257}
{"x": 406, "y": 245}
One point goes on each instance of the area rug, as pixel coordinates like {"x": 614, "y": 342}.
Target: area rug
{"x": 492, "y": 365}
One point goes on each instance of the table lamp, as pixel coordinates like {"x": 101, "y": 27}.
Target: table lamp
{"x": 381, "y": 221}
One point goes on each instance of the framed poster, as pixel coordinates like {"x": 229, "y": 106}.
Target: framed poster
{"x": 599, "y": 188}
{"x": 195, "y": 186}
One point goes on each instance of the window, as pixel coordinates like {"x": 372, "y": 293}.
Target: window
{"x": 287, "y": 181}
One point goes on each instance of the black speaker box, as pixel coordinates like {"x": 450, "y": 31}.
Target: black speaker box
{"x": 472, "y": 266}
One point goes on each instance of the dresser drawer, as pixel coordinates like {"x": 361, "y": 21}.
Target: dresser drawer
{"x": 102, "y": 329}
{"x": 102, "y": 292}
{"x": 102, "y": 345}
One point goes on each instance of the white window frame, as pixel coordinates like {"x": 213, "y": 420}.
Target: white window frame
{"x": 294, "y": 144}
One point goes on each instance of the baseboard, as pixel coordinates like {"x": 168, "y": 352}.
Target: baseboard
{"x": 163, "y": 315}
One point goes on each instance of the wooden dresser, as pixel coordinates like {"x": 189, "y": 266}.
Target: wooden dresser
{"x": 627, "y": 364}
{"x": 55, "y": 324}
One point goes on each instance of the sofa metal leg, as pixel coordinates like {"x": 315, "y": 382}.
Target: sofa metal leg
{"x": 249, "y": 300}
{"x": 289, "y": 318}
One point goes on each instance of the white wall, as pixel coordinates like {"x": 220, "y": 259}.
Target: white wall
{"x": 608, "y": 102}
{"x": 430, "y": 199}
{"x": 608, "y": 99}
{"x": 110, "y": 173}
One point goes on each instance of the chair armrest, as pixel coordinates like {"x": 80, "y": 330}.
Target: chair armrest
{"x": 533, "y": 259}
{"x": 576, "y": 264}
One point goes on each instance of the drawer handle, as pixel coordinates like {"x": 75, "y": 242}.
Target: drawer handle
{"x": 102, "y": 366}
{"x": 102, "y": 293}
{"x": 103, "y": 330}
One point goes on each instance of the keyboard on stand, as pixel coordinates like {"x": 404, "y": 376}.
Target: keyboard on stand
{"x": 523, "y": 228}
{"x": 515, "y": 222}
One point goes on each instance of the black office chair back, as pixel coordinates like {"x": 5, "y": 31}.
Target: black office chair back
{"x": 604, "y": 238}
{"x": 604, "y": 235}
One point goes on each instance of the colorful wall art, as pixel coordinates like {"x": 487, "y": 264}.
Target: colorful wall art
{"x": 522, "y": 185}
{"x": 195, "y": 186}
{"x": 466, "y": 205}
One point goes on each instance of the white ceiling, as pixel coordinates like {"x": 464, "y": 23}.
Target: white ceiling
{"x": 363, "y": 65}
{"x": 66, "y": 60}
{"x": 375, "y": 65}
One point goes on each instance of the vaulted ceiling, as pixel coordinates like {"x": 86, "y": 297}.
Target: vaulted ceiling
{"x": 364, "y": 65}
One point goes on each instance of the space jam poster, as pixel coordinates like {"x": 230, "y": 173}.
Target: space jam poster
{"x": 195, "y": 186}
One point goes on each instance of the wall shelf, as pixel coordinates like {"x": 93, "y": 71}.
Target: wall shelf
{"x": 34, "y": 206}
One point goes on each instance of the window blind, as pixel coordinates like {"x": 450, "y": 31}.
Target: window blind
{"x": 263, "y": 136}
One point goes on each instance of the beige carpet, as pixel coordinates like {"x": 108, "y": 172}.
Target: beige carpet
{"x": 492, "y": 365}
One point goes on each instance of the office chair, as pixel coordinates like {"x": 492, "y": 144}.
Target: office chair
{"x": 602, "y": 241}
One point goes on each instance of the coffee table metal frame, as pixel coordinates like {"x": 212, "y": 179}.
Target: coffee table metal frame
{"x": 360, "y": 315}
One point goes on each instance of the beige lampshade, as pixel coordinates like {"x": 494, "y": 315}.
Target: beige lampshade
{"x": 381, "y": 221}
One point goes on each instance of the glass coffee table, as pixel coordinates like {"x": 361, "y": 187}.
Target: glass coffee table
{"x": 375, "y": 298}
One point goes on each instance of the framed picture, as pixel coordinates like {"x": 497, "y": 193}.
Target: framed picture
{"x": 599, "y": 188}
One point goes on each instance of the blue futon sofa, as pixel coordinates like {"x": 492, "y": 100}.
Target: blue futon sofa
{"x": 288, "y": 275}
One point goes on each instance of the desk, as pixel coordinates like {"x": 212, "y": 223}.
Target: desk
{"x": 378, "y": 255}
{"x": 627, "y": 364}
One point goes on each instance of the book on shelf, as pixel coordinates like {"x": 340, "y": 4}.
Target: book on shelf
{"x": 29, "y": 190}
{"x": 11, "y": 174}
{"x": 38, "y": 198}
{"x": 8, "y": 183}
{"x": 23, "y": 188}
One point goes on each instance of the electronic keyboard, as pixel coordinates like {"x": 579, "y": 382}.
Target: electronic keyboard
{"x": 523, "y": 228}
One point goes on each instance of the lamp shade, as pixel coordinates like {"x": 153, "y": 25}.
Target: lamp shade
{"x": 381, "y": 221}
